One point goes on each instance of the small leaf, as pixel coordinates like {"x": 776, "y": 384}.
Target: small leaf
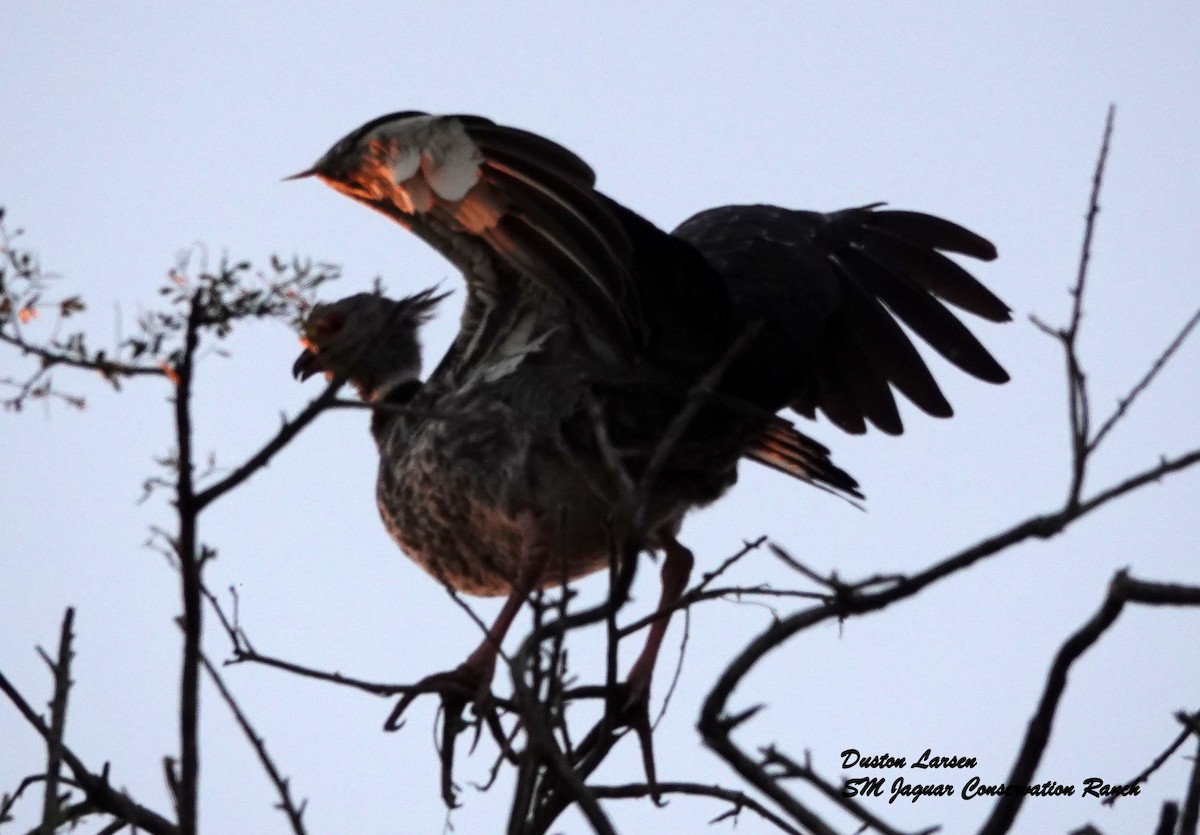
{"x": 67, "y": 306}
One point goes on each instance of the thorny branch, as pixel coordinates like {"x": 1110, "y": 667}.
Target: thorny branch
{"x": 1123, "y": 589}
{"x": 294, "y": 812}
{"x": 61, "y": 669}
{"x": 95, "y": 786}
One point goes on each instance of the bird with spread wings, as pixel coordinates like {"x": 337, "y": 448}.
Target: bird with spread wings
{"x": 608, "y": 376}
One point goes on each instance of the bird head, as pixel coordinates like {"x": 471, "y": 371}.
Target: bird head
{"x": 367, "y": 339}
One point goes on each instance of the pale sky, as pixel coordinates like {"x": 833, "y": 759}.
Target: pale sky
{"x": 133, "y": 131}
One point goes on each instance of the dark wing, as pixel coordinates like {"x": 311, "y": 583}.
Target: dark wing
{"x": 514, "y": 211}
{"x": 829, "y": 289}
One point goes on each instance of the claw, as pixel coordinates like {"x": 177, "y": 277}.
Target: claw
{"x": 645, "y": 737}
{"x": 633, "y": 711}
{"x": 458, "y": 688}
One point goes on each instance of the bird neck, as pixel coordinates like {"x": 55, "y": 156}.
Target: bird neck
{"x": 389, "y": 401}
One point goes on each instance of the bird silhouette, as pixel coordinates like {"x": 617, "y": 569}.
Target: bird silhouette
{"x": 608, "y": 376}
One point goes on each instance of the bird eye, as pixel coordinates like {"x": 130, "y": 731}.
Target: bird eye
{"x": 329, "y": 325}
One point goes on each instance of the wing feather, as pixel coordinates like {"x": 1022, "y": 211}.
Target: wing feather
{"x": 829, "y": 288}
{"x": 511, "y": 209}
{"x": 934, "y": 232}
{"x": 936, "y": 273}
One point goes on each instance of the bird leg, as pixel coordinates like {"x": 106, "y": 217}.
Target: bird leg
{"x": 471, "y": 681}
{"x": 676, "y": 569}
{"x": 482, "y": 662}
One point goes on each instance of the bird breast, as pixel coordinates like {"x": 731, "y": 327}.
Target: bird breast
{"x": 453, "y": 481}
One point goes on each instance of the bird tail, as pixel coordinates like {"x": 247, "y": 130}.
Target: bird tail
{"x": 782, "y": 448}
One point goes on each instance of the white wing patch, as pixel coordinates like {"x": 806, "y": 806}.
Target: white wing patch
{"x": 451, "y": 162}
{"x": 431, "y": 158}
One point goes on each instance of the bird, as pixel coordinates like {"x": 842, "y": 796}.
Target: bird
{"x": 609, "y": 376}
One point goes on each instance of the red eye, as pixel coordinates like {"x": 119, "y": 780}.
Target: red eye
{"x": 329, "y": 325}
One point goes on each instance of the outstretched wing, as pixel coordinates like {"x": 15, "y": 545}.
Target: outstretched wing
{"x": 516, "y": 212}
{"x": 829, "y": 289}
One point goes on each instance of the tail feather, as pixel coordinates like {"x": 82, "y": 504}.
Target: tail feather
{"x": 784, "y": 449}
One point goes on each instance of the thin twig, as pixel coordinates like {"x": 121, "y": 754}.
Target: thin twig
{"x": 295, "y": 814}
{"x": 1160, "y": 362}
{"x": 1077, "y": 396}
{"x": 289, "y": 430}
{"x": 806, "y": 772}
{"x": 107, "y": 368}
{"x": 1158, "y": 762}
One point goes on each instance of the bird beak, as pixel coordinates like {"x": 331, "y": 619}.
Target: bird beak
{"x": 306, "y": 365}
{"x": 309, "y": 172}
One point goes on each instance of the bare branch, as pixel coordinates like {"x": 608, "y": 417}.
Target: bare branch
{"x": 107, "y": 368}
{"x": 96, "y": 787}
{"x": 1168, "y": 817}
{"x": 1190, "y": 813}
{"x": 1160, "y": 362}
{"x": 374, "y": 688}
{"x": 1158, "y": 762}
{"x": 189, "y": 570}
{"x": 289, "y": 430}
{"x": 58, "y": 721}
{"x": 1077, "y": 396}
{"x": 294, "y": 813}
{"x": 806, "y": 772}
{"x": 1122, "y": 590}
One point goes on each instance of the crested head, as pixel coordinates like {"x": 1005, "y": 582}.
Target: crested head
{"x": 367, "y": 339}
{"x": 404, "y": 160}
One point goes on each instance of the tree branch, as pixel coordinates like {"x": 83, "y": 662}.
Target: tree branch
{"x": 96, "y": 787}
{"x": 186, "y": 797}
{"x": 295, "y": 814}
{"x": 61, "y": 670}
{"x": 289, "y": 430}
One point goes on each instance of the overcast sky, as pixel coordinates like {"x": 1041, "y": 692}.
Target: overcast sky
{"x": 134, "y": 131}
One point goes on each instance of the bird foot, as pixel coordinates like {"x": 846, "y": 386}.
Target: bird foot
{"x": 465, "y": 685}
{"x": 631, "y": 706}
